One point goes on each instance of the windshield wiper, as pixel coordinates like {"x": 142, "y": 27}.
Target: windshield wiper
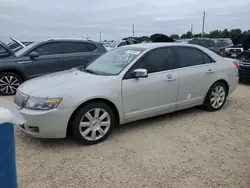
{"x": 91, "y": 71}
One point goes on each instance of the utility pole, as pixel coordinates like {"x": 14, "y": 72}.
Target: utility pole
{"x": 203, "y": 23}
{"x": 100, "y": 36}
{"x": 192, "y": 29}
{"x": 133, "y": 30}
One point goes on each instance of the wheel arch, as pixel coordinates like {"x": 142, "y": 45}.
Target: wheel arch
{"x": 222, "y": 81}
{"x": 15, "y": 71}
{"x": 106, "y": 101}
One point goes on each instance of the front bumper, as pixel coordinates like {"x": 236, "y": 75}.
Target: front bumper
{"x": 244, "y": 74}
{"x": 46, "y": 124}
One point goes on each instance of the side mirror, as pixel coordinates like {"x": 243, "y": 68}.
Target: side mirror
{"x": 33, "y": 55}
{"x": 140, "y": 73}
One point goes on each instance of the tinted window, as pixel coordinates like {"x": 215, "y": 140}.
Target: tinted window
{"x": 194, "y": 41}
{"x": 91, "y": 47}
{"x": 74, "y": 47}
{"x": 206, "y": 58}
{"x": 48, "y": 49}
{"x": 122, "y": 44}
{"x": 189, "y": 56}
{"x": 157, "y": 61}
{"x": 222, "y": 44}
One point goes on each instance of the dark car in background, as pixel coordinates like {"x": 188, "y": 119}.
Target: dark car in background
{"x": 216, "y": 45}
{"x": 244, "y": 57}
{"x": 41, "y": 58}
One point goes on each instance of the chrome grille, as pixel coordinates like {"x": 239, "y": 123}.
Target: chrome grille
{"x": 20, "y": 99}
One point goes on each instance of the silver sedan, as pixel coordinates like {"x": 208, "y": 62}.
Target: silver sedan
{"x": 124, "y": 85}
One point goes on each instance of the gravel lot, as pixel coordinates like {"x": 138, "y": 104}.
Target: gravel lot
{"x": 191, "y": 148}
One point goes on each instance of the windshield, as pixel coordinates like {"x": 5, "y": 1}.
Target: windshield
{"x": 113, "y": 62}
{"x": 22, "y": 51}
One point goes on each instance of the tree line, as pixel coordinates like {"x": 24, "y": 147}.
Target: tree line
{"x": 212, "y": 34}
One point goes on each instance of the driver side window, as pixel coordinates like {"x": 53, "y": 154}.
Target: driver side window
{"x": 48, "y": 49}
{"x": 157, "y": 60}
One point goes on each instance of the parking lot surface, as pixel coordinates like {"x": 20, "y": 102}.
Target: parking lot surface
{"x": 191, "y": 148}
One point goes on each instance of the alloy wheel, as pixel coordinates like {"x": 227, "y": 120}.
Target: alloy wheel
{"x": 95, "y": 124}
{"x": 218, "y": 96}
{"x": 9, "y": 85}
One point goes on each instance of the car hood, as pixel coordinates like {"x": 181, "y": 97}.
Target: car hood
{"x": 60, "y": 83}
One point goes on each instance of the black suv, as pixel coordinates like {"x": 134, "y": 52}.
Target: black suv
{"x": 40, "y": 58}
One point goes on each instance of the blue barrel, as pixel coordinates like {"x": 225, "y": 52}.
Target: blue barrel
{"x": 8, "y": 178}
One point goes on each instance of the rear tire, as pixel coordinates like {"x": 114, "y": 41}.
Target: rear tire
{"x": 93, "y": 123}
{"x": 9, "y": 83}
{"x": 216, "y": 97}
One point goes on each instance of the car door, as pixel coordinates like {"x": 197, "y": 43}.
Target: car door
{"x": 155, "y": 94}
{"x": 47, "y": 62}
{"x": 196, "y": 75}
{"x": 78, "y": 54}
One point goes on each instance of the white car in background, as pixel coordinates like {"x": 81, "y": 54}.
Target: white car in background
{"x": 114, "y": 45}
{"x": 124, "y": 85}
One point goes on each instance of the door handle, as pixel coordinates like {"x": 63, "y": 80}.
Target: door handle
{"x": 169, "y": 78}
{"x": 210, "y": 71}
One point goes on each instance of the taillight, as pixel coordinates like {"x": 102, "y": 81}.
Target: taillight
{"x": 237, "y": 64}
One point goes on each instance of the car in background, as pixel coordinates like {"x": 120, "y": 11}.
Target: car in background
{"x": 40, "y": 58}
{"x": 15, "y": 45}
{"x": 127, "y": 84}
{"x": 121, "y": 43}
{"x": 216, "y": 45}
{"x": 244, "y": 57}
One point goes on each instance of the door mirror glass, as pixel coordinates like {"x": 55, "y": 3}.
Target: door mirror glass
{"x": 33, "y": 55}
{"x": 140, "y": 73}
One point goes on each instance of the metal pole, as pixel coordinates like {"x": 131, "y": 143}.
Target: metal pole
{"x": 133, "y": 30}
{"x": 100, "y": 36}
{"x": 203, "y": 23}
{"x": 192, "y": 29}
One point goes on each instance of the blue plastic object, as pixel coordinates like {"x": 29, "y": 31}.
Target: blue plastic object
{"x": 8, "y": 177}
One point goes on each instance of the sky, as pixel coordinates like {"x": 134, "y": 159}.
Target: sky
{"x": 38, "y": 20}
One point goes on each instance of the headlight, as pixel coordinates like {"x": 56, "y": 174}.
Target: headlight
{"x": 36, "y": 103}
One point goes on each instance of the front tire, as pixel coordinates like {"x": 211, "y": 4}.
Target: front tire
{"x": 9, "y": 83}
{"x": 93, "y": 123}
{"x": 216, "y": 97}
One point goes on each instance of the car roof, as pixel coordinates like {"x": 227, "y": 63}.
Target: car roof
{"x": 159, "y": 44}
{"x": 69, "y": 40}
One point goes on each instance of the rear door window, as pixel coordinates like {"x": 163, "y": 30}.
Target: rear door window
{"x": 74, "y": 47}
{"x": 91, "y": 47}
{"x": 189, "y": 56}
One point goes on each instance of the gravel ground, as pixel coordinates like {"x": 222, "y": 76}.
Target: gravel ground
{"x": 191, "y": 148}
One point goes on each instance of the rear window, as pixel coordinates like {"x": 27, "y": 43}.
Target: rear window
{"x": 74, "y": 47}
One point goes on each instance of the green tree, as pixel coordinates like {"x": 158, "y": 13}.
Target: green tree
{"x": 235, "y": 32}
{"x": 175, "y": 36}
